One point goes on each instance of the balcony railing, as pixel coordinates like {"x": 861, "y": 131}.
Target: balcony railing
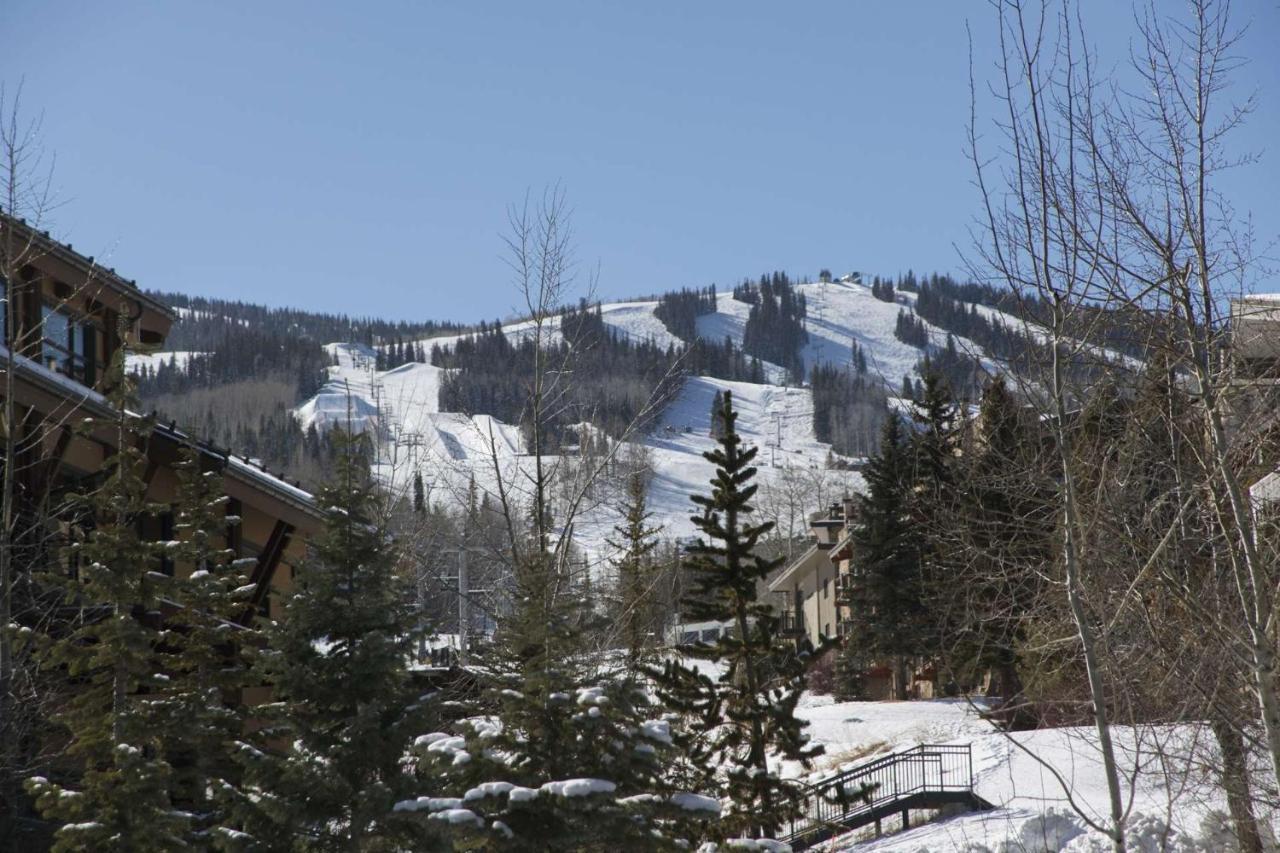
{"x": 792, "y": 624}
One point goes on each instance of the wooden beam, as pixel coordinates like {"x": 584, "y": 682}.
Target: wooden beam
{"x": 265, "y": 570}
{"x": 49, "y": 469}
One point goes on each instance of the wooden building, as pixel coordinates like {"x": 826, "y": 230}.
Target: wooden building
{"x": 70, "y": 316}
{"x": 812, "y": 594}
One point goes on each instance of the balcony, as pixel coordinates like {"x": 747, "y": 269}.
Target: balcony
{"x": 791, "y": 624}
{"x": 844, "y": 588}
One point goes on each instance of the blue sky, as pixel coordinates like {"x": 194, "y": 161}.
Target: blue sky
{"x": 359, "y": 157}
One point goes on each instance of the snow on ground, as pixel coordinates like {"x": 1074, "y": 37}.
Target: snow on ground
{"x": 151, "y": 361}
{"x": 840, "y": 312}
{"x": 347, "y": 399}
{"x": 837, "y": 314}
{"x": 1033, "y": 811}
{"x": 683, "y": 433}
{"x": 635, "y": 320}
{"x": 191, "y": 313}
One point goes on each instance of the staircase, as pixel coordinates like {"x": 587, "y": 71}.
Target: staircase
{"x": 930, "y": 776}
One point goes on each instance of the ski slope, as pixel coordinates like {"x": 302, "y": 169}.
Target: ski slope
{"x": 635, "y": 321}
{"x": 838, "y": 314}
{"x": 453, "y": 450}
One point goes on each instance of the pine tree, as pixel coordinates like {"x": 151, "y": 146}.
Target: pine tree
{"x": 325, "y": 769}
{"x": 1007, "y": 513}
{"x": 932, "y": 494}
{"x": 201, "y": 696}
{"x": 560, "y": 752}
{"x": 419, "y": 494}
{"x": 886, "y": 595}
{"x": 635, "y": 544}
{"x": 717, "y": 420}
{"x": 934, "y": 440}
{"x": 110, "y": 650}
{"x": 747, "y": 714}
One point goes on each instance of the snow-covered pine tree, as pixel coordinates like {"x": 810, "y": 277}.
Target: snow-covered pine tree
{"x": 637, "y": 575}
{"x": 327, "y": 764}
{"x": 202, "y": 655}
{"x": 108, "y": 646}
{"x": 564, "y": 749}
{"x": 745, "y": 716}
{"x": 581, "y": 770}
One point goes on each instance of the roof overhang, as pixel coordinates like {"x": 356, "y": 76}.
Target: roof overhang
{"x": 153, "y": 316}
{"x": 798, "y": 568}
{"x": 58, "y": 397}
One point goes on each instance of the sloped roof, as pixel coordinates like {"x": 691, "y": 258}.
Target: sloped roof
{"x": 107, "y": 275}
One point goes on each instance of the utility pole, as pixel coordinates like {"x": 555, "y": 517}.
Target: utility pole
{"x": 465, "y": 591}
{"x": 464, "y": 614}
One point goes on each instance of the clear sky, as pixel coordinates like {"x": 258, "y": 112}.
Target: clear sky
{"x": 358, "y": 157}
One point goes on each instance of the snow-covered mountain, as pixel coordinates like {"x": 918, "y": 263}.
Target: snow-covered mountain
{"x": 450, "y": 449}
{"x": 847, "y": 324}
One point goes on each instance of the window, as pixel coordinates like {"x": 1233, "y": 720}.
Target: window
{"x": 64, "y": 343}
{"x": 826, "y": 587}
{"x": 157, "y": 528}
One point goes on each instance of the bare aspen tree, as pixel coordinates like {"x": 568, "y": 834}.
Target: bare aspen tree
{"x": 1038, "y": 211}
{"x": 26, "y": 196}
{"x": 1165, "y": 151}
{"x": 1108, "y": 205}
{"x": 540, "y": 254}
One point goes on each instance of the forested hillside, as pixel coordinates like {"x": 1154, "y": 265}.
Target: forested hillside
{"x": 247, "y": 367}
{"x": 775, "y": 325}
{"x": 614, "y": 380}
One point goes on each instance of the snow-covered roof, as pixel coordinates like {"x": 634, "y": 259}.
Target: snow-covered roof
{"x": 76, "y": 392}
{"x": 81, "y": 395}
{"x": 244, "y": 470}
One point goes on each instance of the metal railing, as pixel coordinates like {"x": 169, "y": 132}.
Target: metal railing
{"x": 868, "y": 789}
{"x": 791, "y": 623}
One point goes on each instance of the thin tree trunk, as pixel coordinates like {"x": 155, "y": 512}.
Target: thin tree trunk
{"x": 8, "y": 737}
{"x": 1075, "y": 601}
{"x": 1235, "y": 781}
